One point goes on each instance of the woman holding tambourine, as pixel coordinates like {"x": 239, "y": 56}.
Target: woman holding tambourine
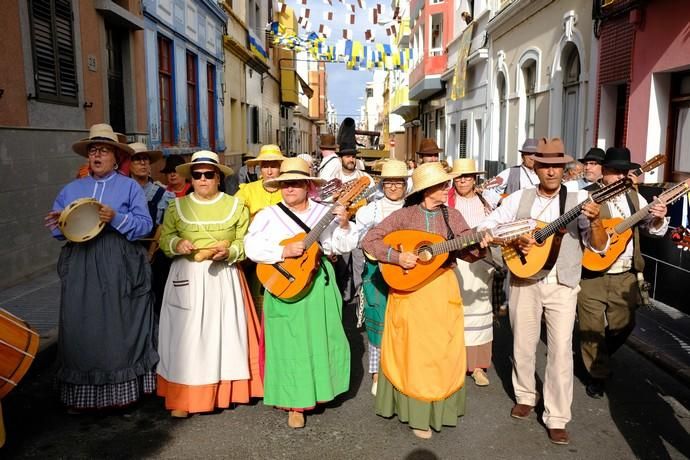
{"x": 105, "y": 350}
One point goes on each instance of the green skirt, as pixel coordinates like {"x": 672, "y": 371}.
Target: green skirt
{"x": 419, "y": 414}
{"x": 307, "y": 353}
{"x": 375, "y": 298}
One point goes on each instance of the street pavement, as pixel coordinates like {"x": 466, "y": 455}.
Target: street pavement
{"x": 645, "y": 413}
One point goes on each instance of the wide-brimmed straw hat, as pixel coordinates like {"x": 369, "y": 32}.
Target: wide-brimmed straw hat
{"x": 428, "y": 146}
{"x": 140, "y": 149}
{"x": 268, "y": 152}
{"x": 618, "y": 158}
{"x": 551, "y": 152}
{"x": 202, "y": 157}
{"x": 293, "y": 169}
{"x": 465, "y": 166}
{"x": 100, "y": 133}
{"x": 327, "y": 142}
{"x": 394, "y": 169}
{"x": 430, "y": 174}
{"x": 529, "y": 147}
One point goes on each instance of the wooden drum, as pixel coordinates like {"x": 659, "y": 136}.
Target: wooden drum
{"x": 18, "y": 347}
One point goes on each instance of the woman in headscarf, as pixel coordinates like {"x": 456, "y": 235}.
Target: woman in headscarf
{"x": 105, "y": 350}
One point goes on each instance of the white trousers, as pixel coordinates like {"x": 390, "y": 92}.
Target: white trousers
{"x": 528, "y": 300}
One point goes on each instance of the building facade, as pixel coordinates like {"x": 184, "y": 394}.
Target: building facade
{"x": 66, "y": 66}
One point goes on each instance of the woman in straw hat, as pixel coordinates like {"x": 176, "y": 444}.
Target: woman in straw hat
{"x": 208, "y": 338}
{"x": 423, "y": 346}
{"x": 258, "y": 194}
{"x": 307, "y": 356}
{"x": 106, "y": 354}
{"x": 374, "y": 288}
{"x": 476, "y": 279}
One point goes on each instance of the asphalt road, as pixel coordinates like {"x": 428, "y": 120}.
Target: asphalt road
{"x": 645, "y": 414}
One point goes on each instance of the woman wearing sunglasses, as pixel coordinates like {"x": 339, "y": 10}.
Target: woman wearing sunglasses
{"x": 208, "y": 338}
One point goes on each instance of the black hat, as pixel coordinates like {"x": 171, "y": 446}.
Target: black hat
{"x": 171, "y": 162}
{"x": 619, "y": 158}
{"x": 594, "y": 154}
{"x": 347, "y": 143}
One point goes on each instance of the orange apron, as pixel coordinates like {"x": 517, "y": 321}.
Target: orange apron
{"x": 423, "y": 344}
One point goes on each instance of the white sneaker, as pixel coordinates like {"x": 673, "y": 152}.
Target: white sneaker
{"x": 480, "y": 377}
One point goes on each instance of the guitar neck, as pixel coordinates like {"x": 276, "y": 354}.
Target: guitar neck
{"x": 541, "y": 235}
{"x": 314, "y": 234}
{"x": 457, "y": 243}
{"x": 632, "y": 220}
{"x": 667, "y": 198}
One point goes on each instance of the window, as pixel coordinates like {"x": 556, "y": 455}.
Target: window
{"x": 529, "y": 76}
{"x": 192, "y": 98}
{"x": 462, "y": 140}
{"x": 211, "y": 95}
{"x": 502, "y": 112}
{"x": 370, "y": 92}
{"x": 165, "y": 85}
{"x": 254, "y": 125}
{"x": 436, "y": 39}
{"x": 52, "y": 36}
{"x": 571, "y": 96}
{"x": 679, "y": 141}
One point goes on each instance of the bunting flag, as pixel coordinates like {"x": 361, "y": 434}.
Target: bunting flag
{"x": 282, "y": 7}
{"x": 353, "y": 53}
{"x": 374, "y": 16}
{"x": 396, "y": 12}
{"x": 304, "y": 2}
{"x": 352, "y": 8}
{"x": 369, "y": 35}
{"x": 362, "y": 4}
{"x": 328, "y": 15}
{"x": 379, "y": 7}
{"x": 352, "y": 19}
{"x": 328, "y": 2}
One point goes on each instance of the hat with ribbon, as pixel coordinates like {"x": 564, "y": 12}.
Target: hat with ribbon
{"x": 327, "y": 142}
{"x": 428, "y": 146}
{"x": 594, "y": 154}
{"x": 294, "y": 169}
{"x": 529, "y": 147}
{"x": 101, "y": 133}
{"x": 551, "y": 152}
{"x": 465, "y": 166}
{"x": 268, "y": 152}
{"x": 618, "y": 158}
{"x": 430, "y": 174}
{"x": 394, "y": 169}
{"x": 141, "y": 149}
{"x": 202, "y": 157}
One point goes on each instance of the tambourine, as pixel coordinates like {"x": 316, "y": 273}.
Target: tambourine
{"x": 79, "y": 221}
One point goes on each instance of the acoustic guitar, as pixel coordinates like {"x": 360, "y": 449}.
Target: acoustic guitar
{"x": 432, "y": 251}
{"x": 293, "y": 276}
{"x": 542, "y": 256}
{"x": 620, "y": 230}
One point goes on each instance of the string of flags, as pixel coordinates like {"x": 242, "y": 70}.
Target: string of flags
{"x": 355, "y": 54}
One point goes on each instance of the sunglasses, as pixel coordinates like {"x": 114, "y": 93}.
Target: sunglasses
{"x": 196, "y": 175}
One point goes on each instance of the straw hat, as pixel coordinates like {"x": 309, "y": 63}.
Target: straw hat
{"x": 465, "y": 166}
{"x": 306, "y": 157}
{"x": 551, "y": 152}
{"x": 202, "y": 157}
{"x": 430, "y": 174}
{"x": 268, "y": 152}
{"x": 428, "y": 146}
{"x": 139, "y": 148}
{"x": 103, "y": 134}
{"x": 394, "y": 169}
{"x": 294, "y": 169}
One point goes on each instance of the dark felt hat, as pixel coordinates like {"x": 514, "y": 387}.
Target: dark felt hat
{"x": 594, "y": 154}
{"x": 529, "y": 146}
{"x": 619, "y": 158}
{"x": 172, "y": 162}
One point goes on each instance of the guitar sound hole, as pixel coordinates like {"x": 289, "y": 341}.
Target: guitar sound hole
{"x": 424, "y": 254}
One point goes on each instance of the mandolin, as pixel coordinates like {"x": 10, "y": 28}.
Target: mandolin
{"x": 542, "y": 256}
{"x": 620, "y": 230}
{"x": 432, "y": 251}
{"x": 292, "y": 277}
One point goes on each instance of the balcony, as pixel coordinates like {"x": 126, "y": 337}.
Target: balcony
{"x": 403, "y": 36}
{"x": 425, "y": 78}
{"x": 401, "y": 105}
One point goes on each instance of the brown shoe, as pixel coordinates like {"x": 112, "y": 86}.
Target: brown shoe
{"x": 559, "y": 436}
{"x": 521, "y": 411}
{"x": 179, "y": 414}
{"x": 422, "y": 434}
{"x": 295, "y": 419}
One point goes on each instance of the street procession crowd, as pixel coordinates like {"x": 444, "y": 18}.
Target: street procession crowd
{"x": 211, "y": 293}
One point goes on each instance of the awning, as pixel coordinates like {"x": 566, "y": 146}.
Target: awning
{"x": 305, "y": 87}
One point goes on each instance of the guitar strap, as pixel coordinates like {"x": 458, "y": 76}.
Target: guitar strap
{"x": 444, "y": 211}
{"x": 306, "y": 228}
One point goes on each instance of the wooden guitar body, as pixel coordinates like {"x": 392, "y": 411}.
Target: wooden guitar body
{"x": 600, "y": 262}
{"x": 538, "y": 259}
{"x": 289, "y": 278}
{"x": 401, "y": 279}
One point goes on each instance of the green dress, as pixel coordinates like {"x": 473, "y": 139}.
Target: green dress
{"x": 307, "y": 355}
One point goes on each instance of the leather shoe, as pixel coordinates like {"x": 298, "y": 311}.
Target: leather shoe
{"x": 595, "y": 389}
{"x": 295, "y": 419}
{"x": 559, "y": 436}
{"x": 521, "y": 411}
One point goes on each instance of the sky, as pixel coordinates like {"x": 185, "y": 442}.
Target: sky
{"x": 345, "y": 87}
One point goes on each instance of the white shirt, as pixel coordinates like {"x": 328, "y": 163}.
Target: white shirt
{"x": 330, "y": 166}
{"x": 344, "y": 177}
{"x": 271, "y": 226}
{"x": 374, "y": 212}
{"x": 620, "y": 203}
{"x": 528, "y": 179}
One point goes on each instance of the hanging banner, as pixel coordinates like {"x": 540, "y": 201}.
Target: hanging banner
{"x": 460, "y": 75}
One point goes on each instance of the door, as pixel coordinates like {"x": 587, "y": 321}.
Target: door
{"x": 116, "y": 88}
